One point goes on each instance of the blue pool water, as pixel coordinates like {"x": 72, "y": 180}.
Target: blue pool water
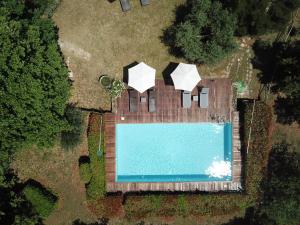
{"x": 173, "y": 152}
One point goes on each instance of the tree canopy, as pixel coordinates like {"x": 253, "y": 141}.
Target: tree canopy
{"x": 261, "y": 16}
{"x": 14, "y": 208}
{"x": 280, "y": 66}
{"x": 34, "y": 86}
{"x": 280, "y": 204}
{"x": 205, "y": 33}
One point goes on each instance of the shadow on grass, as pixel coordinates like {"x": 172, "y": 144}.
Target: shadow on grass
{"x": 125, "y": 71}
{"x": 167, "y": 73}
{"x": 84, "y": 159}
{"x": 101, "y": 221}
{"x": 168, "y": 37}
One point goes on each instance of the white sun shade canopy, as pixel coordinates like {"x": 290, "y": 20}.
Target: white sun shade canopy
{"x": 185, "y": 77}
{"x": 141, "y": 77}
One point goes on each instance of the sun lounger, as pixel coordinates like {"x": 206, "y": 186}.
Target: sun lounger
{"x": 145, "y": 2}
{"x": 133, "y": 100}
{"x": 186, "y": 99}
{"x": 152, "y": 100}
{"x": 125, "y": 4}
{"x": 204, "y": 97}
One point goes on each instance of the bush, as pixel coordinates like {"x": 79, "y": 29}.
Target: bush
{"x": 72, "y": 137}
{"x": 42, "y": 200}
{"x": 259, "y": 147}
{"x": 85, "y": 172}
{"x": 45, "y": 7}
{"x": 96, "y": 187}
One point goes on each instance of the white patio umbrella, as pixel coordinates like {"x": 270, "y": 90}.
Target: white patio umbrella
{"x": 185, "y": 76}
{"x": 141, "y": 77}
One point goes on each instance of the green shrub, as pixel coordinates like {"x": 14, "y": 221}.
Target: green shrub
{"x": 205, "y": 34}
{"x": 46, "y": 7}
{"x": 85, "y": 172}
{"x": 42, "y": 200}
{"x": 259, "y": 147}
{"x": 182, "y": 205}
{"x": 96, "y": 187}
{"x": 72, "y": 136}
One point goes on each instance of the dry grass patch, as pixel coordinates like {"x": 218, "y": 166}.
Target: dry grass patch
{"x": 98, "y": 38}
{"x": 57, "y": 170}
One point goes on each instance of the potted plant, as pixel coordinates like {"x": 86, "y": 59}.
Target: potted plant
{"x": 116, "y": 89}
{"x": 105, "y": 81}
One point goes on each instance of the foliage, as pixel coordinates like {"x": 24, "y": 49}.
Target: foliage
{"x": 72, "y": 137}
{"x": 42, "y": 200}
{"x": 34, "y": 85}
{"x": 280, "y": 67}
{"x": 205, "y": 35}
{"x": 96, "y": 187}
{"x": 85, "y": 172}
{"x": 105, "y": 81}
{"x": 101, "y": 221}
{"x": 261, "y": 16}
{"x": 281, "y": 203}
{"x": 116, "y": 89}
{"x": 281, "y": 190}
{"x": 259, "y": 148}
{"x": 14, "y": 208}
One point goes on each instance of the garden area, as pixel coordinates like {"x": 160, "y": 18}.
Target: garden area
{"x": 52, "y": 168}
{"x": 109, "y": 46}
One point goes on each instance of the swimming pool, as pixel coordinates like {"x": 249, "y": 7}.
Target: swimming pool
{"x": 173, "y": 152}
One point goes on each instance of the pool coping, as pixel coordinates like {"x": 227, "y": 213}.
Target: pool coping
{"x": 169, "y": 110}
{"x": 210, "y": 186}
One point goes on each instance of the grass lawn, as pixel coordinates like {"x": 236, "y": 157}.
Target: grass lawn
{"x": 57, "y": 170}
{"x": 98, "y": 38}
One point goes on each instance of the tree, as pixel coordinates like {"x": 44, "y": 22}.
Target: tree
{"x": 72, "y": 137}
{"x": 280, "y": 204}
{"x": 14, "y": 208}
{"x": 34, "y": 86}
{"x": 41, "y": 199}
{"x": 280, "y": 67}
{"x": 261, "y": 16}
{"x": 205, "y": 34}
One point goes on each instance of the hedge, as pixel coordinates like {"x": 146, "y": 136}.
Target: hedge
{"x": 141, "y": 206}
{"x": 85, "y": 172}
{"x": 42, "y": 200}
{"x": 96, "y": 187}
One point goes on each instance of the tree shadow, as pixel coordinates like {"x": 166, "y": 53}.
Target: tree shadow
{"x": 168, "y": 36}
{"x": 100, "y": 221}
{"x": 286, "y": 110}
{"x": 125, "y": 71}
{"x": 167, "y": 73}
{"x": 84, "y": 159}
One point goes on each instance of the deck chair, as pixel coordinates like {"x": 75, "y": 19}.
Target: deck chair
{"x": 145, "y": 2}
{"x": 125, "y": 4}
{"x": 203, "y": 96}
{"x": 186, "y": 99}
{"x": 133, "y": 100}
{"x": 151, "y": 100}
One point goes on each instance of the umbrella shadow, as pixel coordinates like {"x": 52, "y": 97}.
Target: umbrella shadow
{"x": 125, "y": 71}
{"x": 167, "y": 73}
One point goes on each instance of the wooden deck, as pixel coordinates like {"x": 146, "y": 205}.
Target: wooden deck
{"x": 169, "y": 110}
